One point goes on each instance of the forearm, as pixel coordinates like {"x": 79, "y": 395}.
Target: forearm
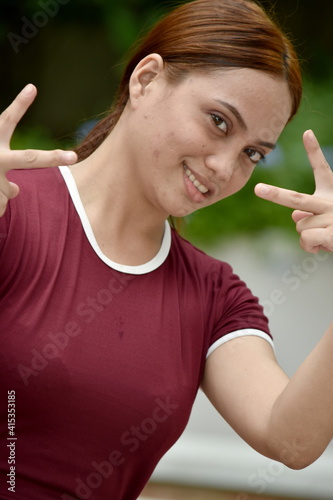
{"x": 301, "y": 424}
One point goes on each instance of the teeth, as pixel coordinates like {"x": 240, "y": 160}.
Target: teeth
{"x": 196, "y": 183}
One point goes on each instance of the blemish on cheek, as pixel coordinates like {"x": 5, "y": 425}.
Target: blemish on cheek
{"x": 156, "y": 153}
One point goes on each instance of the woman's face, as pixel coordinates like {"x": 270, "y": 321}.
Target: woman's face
{"x": 198, "y": 142}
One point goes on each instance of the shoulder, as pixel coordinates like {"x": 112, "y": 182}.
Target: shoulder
{"x": 208, "y": 276}
{"x": 39, "y": 207}
{"x": 230, "y": 304}
{"x": 212, "y": 275}
{"x": 36, "y": 220}
{"x": 38, "y": 187}
{"x": 40, "y": 179}
{"x": 199, "y": 260}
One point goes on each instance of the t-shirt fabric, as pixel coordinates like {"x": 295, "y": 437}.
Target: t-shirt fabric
{"x": 100, "y": 363}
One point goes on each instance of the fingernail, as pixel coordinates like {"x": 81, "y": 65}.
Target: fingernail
{"x": 28, "y": 89}
{"x": 263, "y": 189}
{"x": 311, "y": 136}
{"x": 69, "y": 157}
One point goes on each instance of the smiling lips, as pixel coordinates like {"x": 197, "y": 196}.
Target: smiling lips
{"x": 200, "y": 187}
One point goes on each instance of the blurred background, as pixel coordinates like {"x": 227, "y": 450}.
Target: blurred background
{"x": 73, "y": 51}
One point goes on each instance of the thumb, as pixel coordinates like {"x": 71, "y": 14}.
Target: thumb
{"x": 14, "y": 190}
{"x": 298, "y": 215}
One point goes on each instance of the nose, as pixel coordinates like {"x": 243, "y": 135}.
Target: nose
{"x": 223, "y": 164}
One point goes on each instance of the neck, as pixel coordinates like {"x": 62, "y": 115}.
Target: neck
{"x": 128, "y": 229}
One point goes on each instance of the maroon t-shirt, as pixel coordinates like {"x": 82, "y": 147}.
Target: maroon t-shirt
{"x": 99, "y": 364}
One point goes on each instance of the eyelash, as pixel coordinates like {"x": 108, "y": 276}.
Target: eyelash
{"x": 216, "y": 118}
{"x": 262, "y": 158}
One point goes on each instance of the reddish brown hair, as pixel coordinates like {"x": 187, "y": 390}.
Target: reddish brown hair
{"x": 208, "y": 35}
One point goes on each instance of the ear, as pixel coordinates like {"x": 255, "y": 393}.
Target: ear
{"x": 143, "y": 75}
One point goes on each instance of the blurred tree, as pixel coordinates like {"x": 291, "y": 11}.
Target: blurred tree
{"x": 72, "y": 50}
{"x": 309, "y": 25}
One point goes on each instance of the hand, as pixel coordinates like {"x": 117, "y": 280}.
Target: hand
{"x": 313, "y": 214}
{"x": 29, "y": 158}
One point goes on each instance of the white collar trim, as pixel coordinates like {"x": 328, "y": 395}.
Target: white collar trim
{"x": 153, "y": 264}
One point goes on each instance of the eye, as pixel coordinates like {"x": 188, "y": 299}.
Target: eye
{"x": 220, "y": 123}
{"x": 255, "y": 156}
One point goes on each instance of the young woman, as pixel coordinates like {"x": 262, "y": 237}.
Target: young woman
{"x": 110, "y": 321}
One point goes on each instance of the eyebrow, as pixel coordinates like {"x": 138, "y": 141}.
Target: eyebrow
{"x": 269, "y": 145}
{"x": 241, "y": 122}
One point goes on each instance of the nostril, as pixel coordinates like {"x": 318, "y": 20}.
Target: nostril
{"x": 221, "y": 160}
{"x": 222, "y": 169}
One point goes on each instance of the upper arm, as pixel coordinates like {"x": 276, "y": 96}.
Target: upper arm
{"x": 242, "y": 379}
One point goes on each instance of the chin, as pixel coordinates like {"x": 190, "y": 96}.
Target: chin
{"x": 180, "y": 210}
{"x": 181, "y": 213}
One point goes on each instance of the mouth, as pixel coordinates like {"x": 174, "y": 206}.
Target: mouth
{"x": 196, "y": 183}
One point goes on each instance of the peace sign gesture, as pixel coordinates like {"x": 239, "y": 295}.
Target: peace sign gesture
{"x": 313, "y": 214}
{"x": 29, "y": 158}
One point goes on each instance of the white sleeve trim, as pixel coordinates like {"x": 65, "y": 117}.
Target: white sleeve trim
{"x": 238, "y": 334}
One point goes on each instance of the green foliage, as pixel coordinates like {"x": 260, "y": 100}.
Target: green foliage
{"x": 34, "y": 138}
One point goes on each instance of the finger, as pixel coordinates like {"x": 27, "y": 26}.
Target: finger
{"x": 34, "y": 158}
{"x": 3, "y": 203}
{"x": 315, "y": 221}
{"x": 8, "y": 189}
{"x": 322, "y": 171}
{"x": 293, "y": 199}
{"x": 10, "y": 117}
{"x": 313, "y": 240}
{"x": 298, "y": 215}
{"x": 14, "y": 190}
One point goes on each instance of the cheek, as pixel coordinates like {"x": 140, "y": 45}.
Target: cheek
{"x": 245, "y": 175}
{"x": 156, "y": 154}
{"x": 240, "y": 179}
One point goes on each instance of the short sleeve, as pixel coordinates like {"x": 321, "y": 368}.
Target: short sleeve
{"x": 237, "y": 312}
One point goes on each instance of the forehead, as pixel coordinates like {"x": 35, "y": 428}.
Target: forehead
{"x": 243, "y": 85}
{"x": 258, "y": 98}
